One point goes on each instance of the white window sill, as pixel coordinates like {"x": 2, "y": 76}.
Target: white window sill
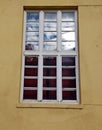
{"x": 50, "y": 105}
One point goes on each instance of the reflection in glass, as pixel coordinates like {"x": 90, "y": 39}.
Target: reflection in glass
{"x": 68, "y": 46}
{"x": 50, "y": 16}
{"x": 68, "y": 72}
{"x": 30, "y": 72}
{"x": 31, "y": 60}
{"x": 49, "y": 71}
{"x": 50, "y": 26}
{"x": 69, "y": 95}
{"x": 30, "y": 82}
{"x": 49, "y": 95}
{"x": 68, "y": 36}
{"x": 49, "y": 61}
{"x": 32, "y": 36}
{"x": 49, "y": 83}
{"x": 32, "y": 26}
{"x": 30, "y": 94}
{"x": 32, "y": 16}
{"x": 50, "y": 46}
{"x": 68, "y": 61}
{"x": 68, "y": 26}
{"x": 68, "y": 83}
{"x": 68, "y": 16}
{"x": 31, "y": 46}
{"x": 50, "y": 36}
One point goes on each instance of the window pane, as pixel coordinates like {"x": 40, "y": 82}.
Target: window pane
{"x": 68, "y": 61}
{"x": 32, "y": 27}
{"x": 30, "y": 94}
{"x": 50, "y": 36}
{"x": 32, "y": 36}
{"x": 69, "y": 83}
{"x": 32, "y": 16}
{"x": 50, "y": 46}
{"x": 31, "y": 72}
{"x": 68, "y": 46}
{"x": 31, "y": 61}
{"x": 50, "y": 16}
{"x": 69, "y": 95}
{"x": 68, "y": 26}
{"x": 30, "y": 82}
{"x": 68, "y": 16}
{"x": 68, "y": 36}
{"x": 49, "y": 61}
{"x": 49, "y": 72}
{"x": 31, "y": 46}
{"x": 68, "y": 72}
{"x": 49, "y": 83}
{"x": 50, "y": 26}
{"x": 48, "y": 95}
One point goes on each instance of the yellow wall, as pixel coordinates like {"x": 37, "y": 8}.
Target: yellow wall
{"x": 88, "y": 115}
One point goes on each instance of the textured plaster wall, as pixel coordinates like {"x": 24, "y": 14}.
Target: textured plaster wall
{"x": 13, "y": 117}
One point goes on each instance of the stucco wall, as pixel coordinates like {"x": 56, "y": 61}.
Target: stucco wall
{"x": 14, "y": 116}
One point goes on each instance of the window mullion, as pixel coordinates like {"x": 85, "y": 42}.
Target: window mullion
{"x": 40, "y": 77}
{"x": 76, "y": 32}
{"x": 77, "y": 79}
{"x": 40, "y": 65}
{"x": 59, "y": 30}
{"x": 59, "y": 78}
{"x": 41, "y": 32}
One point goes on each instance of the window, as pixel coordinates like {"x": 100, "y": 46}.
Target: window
{"x": 50, "y": 57}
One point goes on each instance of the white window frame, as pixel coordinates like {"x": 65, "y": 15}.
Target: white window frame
{"x": 58, "y": 55}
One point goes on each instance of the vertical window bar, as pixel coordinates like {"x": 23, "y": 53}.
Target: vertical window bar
{"x": 77, "y": 79}
{"x": 59, "y": 30}
{"x": 40, "y": 61}
{"x": 22, "y": 78}
{"x": 76, "y": 32}
{"x": 41, "y": 31}
{"x": 40, "y": 77}
{"x": 24, "y": 31}
{"x": 59, "y": 78}
{"x": 76, "y": 58}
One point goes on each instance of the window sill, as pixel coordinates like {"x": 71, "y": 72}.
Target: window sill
{"x": 49, "y": 105}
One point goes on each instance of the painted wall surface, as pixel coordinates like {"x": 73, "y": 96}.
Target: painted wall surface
{"x": 15, "y": 116}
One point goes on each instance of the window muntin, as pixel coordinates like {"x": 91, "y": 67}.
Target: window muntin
{"x": 50, "y": 57}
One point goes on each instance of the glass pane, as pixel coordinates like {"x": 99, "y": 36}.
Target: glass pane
{"x": 50, "y": 46}
{"x": 68, "y": 72}
{"x": 31, "y": 46}
{"x": 68, "y": 61}
{"x": 30, "y": 82}
{"x": 49, "y": 83}
{"x": 50, "y": 36}
{"x": 49, "y": 61}
{"x": 49, "y": 72}
{"x": 68, "y": 16}
{"x": 30, "y": 94}
{"x": 31, "y": 61}
{"x": 31, "y": 72}
{"x": 68, "y": 26}
{"x": 68, "y": 46}
{"x": 48, "y": 95}
{"x": 68, "y": 36}
{"x": 32, "y": 36}
{"x": 50, "y": 26}
{"x": 32, "y": 27}
{"x": 69, "y": 83}
{"x": 50, "y": 16}
{"x": 32, "y": 16}
{"x": 69, "y": 95}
